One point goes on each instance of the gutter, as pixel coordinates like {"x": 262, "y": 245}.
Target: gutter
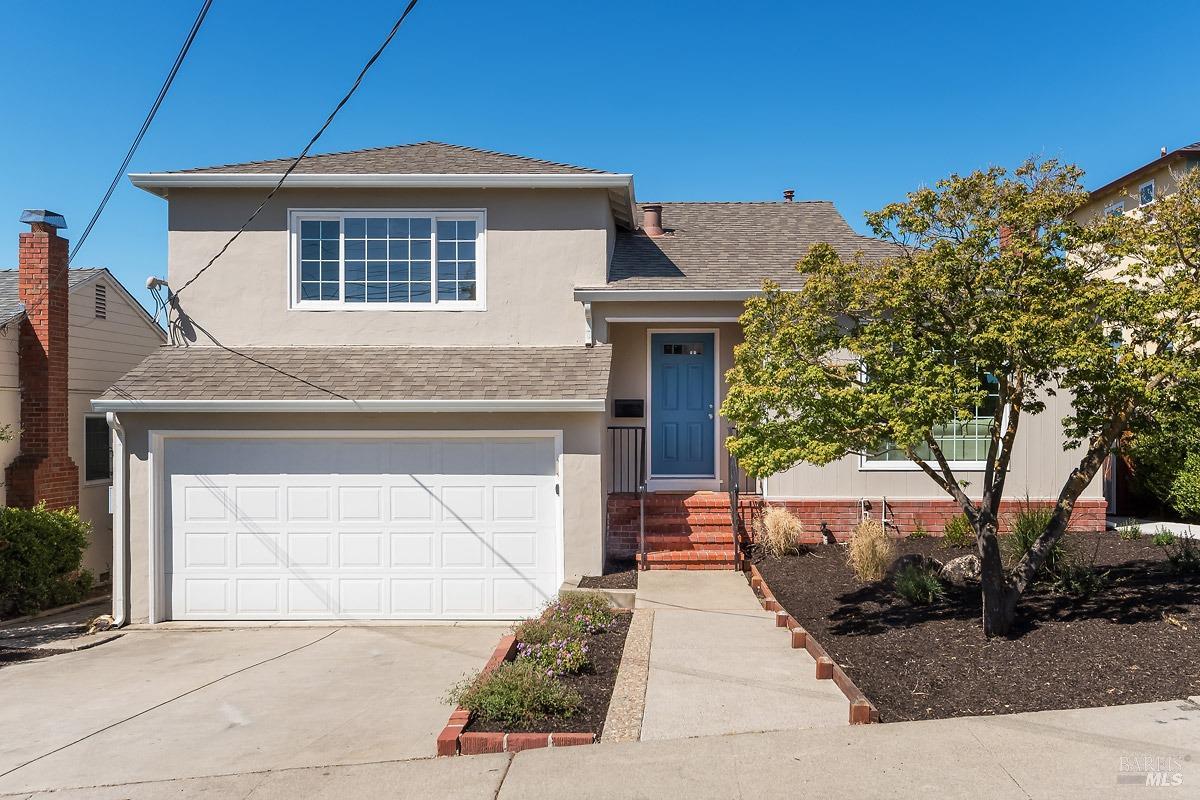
{"x": 376, "y": 406}
{"x": 159, "y": 182}
{"x": 120, "y": 575}
{"x": 669, "y": 295}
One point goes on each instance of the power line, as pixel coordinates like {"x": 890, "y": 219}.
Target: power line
{"x": 137, "y": 140}
{"x": 357, "y": 82}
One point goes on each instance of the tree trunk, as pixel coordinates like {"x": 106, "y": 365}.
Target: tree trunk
{"x": 999, "y": 598}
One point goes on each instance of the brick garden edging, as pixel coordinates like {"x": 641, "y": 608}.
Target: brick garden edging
{"x": 862, "y": 710}
{"x": 452, "y": 741}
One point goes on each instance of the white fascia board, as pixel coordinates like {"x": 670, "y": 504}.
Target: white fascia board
{"x": 160, "y": 182}
{"x": 652, "y": 295}
{"x": 377, "y": 406}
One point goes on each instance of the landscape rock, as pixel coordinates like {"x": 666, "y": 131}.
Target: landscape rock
{"x": 961, "y": 571}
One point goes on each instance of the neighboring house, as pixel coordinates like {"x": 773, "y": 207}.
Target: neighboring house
{"x": 1132, "y": 193}
{"x": 65, "y": 337}
{"x": 1141, "y": 186}
{"x": 440, "y": 371}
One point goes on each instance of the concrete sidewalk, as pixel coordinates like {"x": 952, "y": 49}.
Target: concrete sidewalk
{"x": 1055, "y": 755}
{"x": 718, "y": 664}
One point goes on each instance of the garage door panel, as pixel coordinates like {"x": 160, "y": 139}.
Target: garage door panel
{"x": 289, "y": 529}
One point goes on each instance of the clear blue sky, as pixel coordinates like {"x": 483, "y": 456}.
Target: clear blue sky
{"x": 852, "y": 102}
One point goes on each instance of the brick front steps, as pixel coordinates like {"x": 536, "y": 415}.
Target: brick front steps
{"x": 862, "y": 710}
{"x": 684, "y": 530}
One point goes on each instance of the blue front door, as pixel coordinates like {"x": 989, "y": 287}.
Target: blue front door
{"x": 682, "y": 410}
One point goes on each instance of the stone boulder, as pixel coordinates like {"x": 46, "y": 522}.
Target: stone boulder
{"x": 961, "y": 571}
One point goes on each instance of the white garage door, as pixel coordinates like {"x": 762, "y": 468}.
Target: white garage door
{"x": 356, "y": 528}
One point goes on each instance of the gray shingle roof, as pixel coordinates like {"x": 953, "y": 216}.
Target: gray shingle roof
{"x": 10, "y": 302}
{"x": 421, "y": 158}
{"x": 732, "y": 245}
{"x": 369, "y": 373}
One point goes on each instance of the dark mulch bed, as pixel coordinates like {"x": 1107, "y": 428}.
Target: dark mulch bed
{"x": 1137, "y": 641}
{"x": 620, "y": 574}
{"x": 19, "y": 654}
{"x": 595, "y": 686}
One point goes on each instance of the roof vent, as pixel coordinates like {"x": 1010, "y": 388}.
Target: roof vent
{"x": 789, "y": 195}
{"x": 652, "y": 219}
{"x": 1162, "y": 152}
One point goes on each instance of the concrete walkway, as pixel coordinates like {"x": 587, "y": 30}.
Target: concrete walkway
{"x": 718, "y": 664}
{"x": 1087, "y": 754}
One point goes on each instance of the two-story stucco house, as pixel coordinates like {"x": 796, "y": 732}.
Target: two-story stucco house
{"x": 430, "y": 381}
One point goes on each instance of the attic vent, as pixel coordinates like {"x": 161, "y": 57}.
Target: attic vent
{"x": 101, "y": 301}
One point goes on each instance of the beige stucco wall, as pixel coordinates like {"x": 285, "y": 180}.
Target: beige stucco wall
{"x": 583, "y": 499}
{"x": 629, "y": 372}
{"x": 540, "y": 245}
{"x": 1038, "y": 469}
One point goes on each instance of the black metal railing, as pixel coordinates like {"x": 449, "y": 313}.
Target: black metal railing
{"x": 627, "y": 457}
{"x": 740, "y": 482}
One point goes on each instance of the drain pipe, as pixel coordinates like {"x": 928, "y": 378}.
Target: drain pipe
{"x": 120, "y": 575}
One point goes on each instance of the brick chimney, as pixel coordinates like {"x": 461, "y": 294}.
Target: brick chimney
{"x": 44, "y": 470}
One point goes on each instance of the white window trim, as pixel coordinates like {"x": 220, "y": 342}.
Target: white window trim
{"x": 1117, "y": 206}
{"x": 111, "y": 457}
{"x": 296, "y": 215}
{"x": 1149, "y": 183}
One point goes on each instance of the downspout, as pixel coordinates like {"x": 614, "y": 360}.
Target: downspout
{"x": 120, "y": 575}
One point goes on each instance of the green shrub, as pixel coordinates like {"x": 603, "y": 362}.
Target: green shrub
{"x": 919, "y": 531}
{"x": 1025, "y": 527}
{"x": 1183, "y": 554}
{"x": 1079, "y": 580}
{"x": 41, "y": 557}
{"x": 584, "y": 612}
{"x": 1185, "y": 488}
{"x": 540, "y": 630}
{"x": 555, "y": 657}
{"x": 1130, "y": 533}
{"x": 958, "y": 532}
{"x": 918, "y": 584}
{"x": 1162, "y": 538}
{"x": 515, "y": 692}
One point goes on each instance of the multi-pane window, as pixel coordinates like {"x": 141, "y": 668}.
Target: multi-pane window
{"x": 1115, "y": 210}
{"x": 1146, "y": 193}
{"x": 959, "y": 440}
{"x": 456, "y": 260}
{"x": 320, "y": 257}
{"x": 355, "y": 260}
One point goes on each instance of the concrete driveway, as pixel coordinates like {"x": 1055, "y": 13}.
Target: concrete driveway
{"x": 162, "y": 704}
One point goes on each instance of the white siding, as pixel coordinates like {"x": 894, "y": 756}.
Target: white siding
{"x": 101, "y": 351}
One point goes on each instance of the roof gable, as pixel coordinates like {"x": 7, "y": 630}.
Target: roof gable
{"x": 420, "y": 158}
{"x": 77, "y": 277}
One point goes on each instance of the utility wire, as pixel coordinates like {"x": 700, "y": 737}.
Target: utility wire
{"x": 137, "y": 140}
{"x": 357, "y": 82}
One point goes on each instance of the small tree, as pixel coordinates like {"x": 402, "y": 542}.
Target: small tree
{"x": 995, "y": 299}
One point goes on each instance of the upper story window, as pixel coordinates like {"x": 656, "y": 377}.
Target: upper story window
{"x": 1146, "y": 193}
{"x": 1115, "y": 209}
{"x": 413, "y": 260}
